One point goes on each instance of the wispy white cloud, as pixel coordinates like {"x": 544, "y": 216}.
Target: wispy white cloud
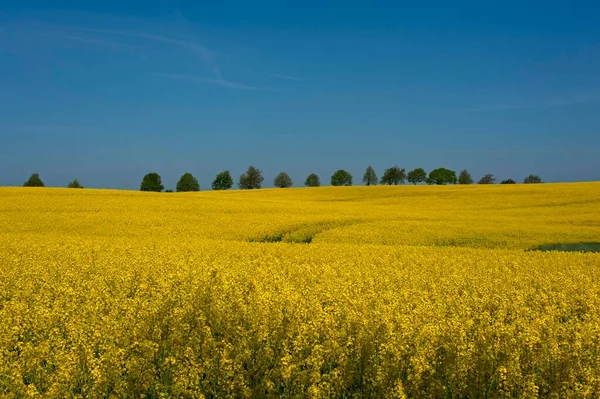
{"x": 276, "y": 75}
{"x": 52, "y": 129}
{"x": 188, "y": 44}
{"x": 138, "y": 38}
{"x": 569, "y": 99}
{"x": 102, "y": 43}
{"x": 526, "y": 150}
{"x": 219, "y": 81}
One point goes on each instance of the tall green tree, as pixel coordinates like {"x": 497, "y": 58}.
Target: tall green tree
{"x": 417, "y": 175}
{"x": 442, "y": 176}
{"x": 187, "y": 182}
{"x": 34, "y": 181}
{"x": 370, "y": 177}
{"x": 312, "y": 180}
{"x": 487, "y": 179}
{"x": 394, "y": 175}
{"x": 465, "y": 177}
{"x": 252, "y": 179}
{"x": 532, "y": 179}
{"x": 283, "y": 180}
{"x": 341, "y": 178}
{"x": 223, "y": 181}
{"x": 152, "y": 182}
{"x": 74, "y": 184}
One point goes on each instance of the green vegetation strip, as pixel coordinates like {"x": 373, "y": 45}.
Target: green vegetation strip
{"x": 573, "y": 247}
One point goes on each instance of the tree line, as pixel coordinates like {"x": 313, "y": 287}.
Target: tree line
{"x": 253, "y": 179}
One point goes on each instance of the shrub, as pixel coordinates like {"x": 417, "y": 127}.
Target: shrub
{"x": 441, "y": 176}
{"x": 252, "y": 179}
{"x": 417, "y": 175}
{"x": 223, "y": 181}
{"x": 152, "y": 182}
{"x": 187, "y": 182}
{"x": 531, "y": 179}
{"x": 341, "y": 178}
{"x": 74, "y": 184}
{"x": 487, "y": 179}
{"x": 370, "y": 177}
{"x": 312, "y": 180}
{"x": 283, "y": 180}
{"x": 393, "y": 175}
{"x": 465, "y": 177}
{"x": 34, "y": 181}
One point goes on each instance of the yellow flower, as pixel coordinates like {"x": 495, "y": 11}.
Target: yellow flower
{"x": 356, "y": 292}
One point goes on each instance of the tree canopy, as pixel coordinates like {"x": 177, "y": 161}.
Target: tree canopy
{"x": 442, "y": 176}
{"x": 341, "y": 178}
{"x": 370, "y": 177}
{"x": 223, "y": 181}
{"x": 283, "y": 180}
{"x": 74, "y": 184}
{"x": 487, "y": 179}
{"x": 532, "y": 179}
{"x": 252, "y": 179}
{"x": 465, "y": 177}
{"x": 187, "y": 182}
{"x": 34, "y": 181}
{"x": 152, "y": 182}
{"x": 312, "y": 180}
{"x": 393, "y": 175}
{"x": 417, "y": 175}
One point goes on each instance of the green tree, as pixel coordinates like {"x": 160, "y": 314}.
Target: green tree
{"x": 487, "y": 179}
{"x": 531, "y": 179}
{"x": 417, "y": 175}
{"x": 370, "y": 177}
{"x": 394, "y": 175}
{"x": 252, "y": 179}
{"x": 187, "y": 182}
{"x": 465, "y": 177}
{"x": 223, "y": 181}
{"x": 312, "y": 180}
{"x": 442, "y": 176}
{"x": 34, "y": 181}
{"x": 341, "y": 178}
{"x": 74, "y": 184}
{"x": 152, "y": 182}
{"x": 283, "y": 180}
{"x": 508, "y": 181}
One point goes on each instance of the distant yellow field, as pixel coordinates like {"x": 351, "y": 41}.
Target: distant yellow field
{"x": 410, "y": 291}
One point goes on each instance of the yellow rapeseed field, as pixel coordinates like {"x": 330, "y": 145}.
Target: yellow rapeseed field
{"x": 333, "y": 292}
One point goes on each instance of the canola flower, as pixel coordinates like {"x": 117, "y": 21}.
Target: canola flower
{"x": 331, "y": 292}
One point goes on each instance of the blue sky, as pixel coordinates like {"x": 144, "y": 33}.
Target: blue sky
{"x": 106, "y": 91}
